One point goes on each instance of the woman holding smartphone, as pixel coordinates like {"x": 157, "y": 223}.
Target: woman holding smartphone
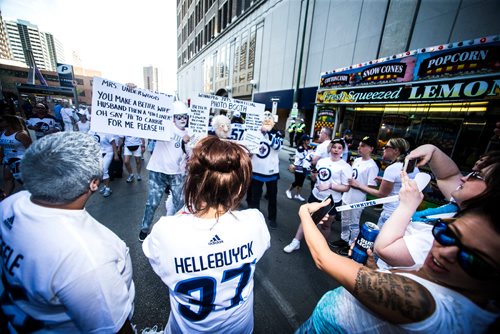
{"x": 455, "y": 291}
{"x": 331, "y": 176}
{"x": 394, "y": 151}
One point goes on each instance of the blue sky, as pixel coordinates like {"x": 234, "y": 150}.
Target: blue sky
{"x": 116, "y": 37}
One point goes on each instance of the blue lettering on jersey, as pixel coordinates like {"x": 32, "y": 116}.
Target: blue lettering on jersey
{"x": 215, "y": 260}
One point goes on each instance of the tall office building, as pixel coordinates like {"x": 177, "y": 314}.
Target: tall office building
{"x": 4, "y": 44}
{"x": 151, "y": 78}
{"x": 22, "y": 36}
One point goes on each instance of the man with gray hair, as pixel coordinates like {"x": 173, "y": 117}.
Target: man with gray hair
{"x": 62, "y": 271}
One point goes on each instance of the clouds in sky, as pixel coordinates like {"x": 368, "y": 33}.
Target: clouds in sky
{"x": 116, "y": 37}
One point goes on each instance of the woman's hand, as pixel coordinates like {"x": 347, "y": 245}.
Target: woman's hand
{"x": 353, "y": 183}
{"x": 309, "y": 208}
{"x": 409, "y": 195}
{"x": 422, "y": 153}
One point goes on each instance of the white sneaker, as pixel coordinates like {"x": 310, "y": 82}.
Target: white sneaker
{"x": 289, "y": 194}
{"x": 300, "y": 198}
{"x": 102, "y": 189}
{"x": 139, "y": 178}
{"x": 130, "y": 178}
{"x": 293, "y": 246}
{"x": 107, "y": 192}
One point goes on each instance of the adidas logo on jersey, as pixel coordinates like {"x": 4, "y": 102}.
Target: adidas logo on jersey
{"x": 215, "y": 240}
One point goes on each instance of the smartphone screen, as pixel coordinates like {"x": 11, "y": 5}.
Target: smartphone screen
{"x": 330, "y": 209}
{"x": 409, "y": 165}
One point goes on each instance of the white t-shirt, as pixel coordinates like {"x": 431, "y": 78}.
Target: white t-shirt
{"x": 322, "y": 150}
{"x": 104, "y": 140}
{"x": 168, "y": 156}
{"x": 365, "y": 172}
{"x": 68, "y": 117}
{"x": 339, "y": 311}
{"x": 133, "y": 141}
{"x": 83, "y": 127}
{"x": 393, "y": 174}
{"x": 418, "y": 239}
{"x": 336, "y": 172}
{"x": 209, "y": 260}
{"x": 66, "y": 273}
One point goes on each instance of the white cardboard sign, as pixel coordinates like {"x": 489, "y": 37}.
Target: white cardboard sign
{"x": 121, "y": 110}
{"x": 203, "y": 105}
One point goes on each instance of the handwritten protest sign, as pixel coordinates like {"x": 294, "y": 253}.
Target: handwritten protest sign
{"x": 204, "y": 106}
{"x": 125, "y": 111}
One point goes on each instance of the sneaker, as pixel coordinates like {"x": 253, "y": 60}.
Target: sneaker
{"x": 300, "y": 198}
{"x": 342, "y": 251}
{"x": 102, "y": 189}
{"x": 288, "y": 194}
{"x": 142, "y": 236}
{"x": 293, "y": 246}
{"x": 130, "y": 178}
{"x": 107, "y": 192}
{"x": 139, "y": 178}
{"x": 338, "y": 243}
{"x": 272, "y": 224}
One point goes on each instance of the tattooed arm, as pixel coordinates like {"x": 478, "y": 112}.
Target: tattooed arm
{"x": 392, "y": 297}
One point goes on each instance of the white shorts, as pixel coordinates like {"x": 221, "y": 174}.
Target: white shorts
{"x": 136, "y": 153}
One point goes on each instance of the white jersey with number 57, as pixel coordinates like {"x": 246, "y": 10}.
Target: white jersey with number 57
{"x": 237, "y": 131}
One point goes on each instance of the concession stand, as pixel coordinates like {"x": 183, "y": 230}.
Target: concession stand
{"x": 446, "y": 95}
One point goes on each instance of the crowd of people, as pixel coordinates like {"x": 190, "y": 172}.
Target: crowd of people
{"x": 62, "y": 271}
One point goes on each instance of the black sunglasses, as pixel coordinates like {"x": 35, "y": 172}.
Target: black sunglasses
{"x": 475, "y": 175}
{"x": 470, "y": 262}
{"x": 179, "y": 117}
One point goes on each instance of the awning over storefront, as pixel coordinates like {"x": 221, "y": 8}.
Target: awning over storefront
{"x": 463, "y": 71}
{"x": 470, "y": 88}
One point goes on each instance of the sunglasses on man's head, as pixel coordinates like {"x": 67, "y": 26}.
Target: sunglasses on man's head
{"x": 179, "y": 117}
{"x": 470, "y": 262}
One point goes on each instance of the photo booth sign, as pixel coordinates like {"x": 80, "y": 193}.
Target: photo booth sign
{"x": 204, "y": 107}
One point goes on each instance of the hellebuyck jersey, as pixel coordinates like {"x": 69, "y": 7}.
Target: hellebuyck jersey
{"x": 208, "y": 266}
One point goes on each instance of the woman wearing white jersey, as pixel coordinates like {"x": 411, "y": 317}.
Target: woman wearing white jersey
{"x": 13, "y": 142}
{"x": 394, "y": 151}
{"x": 332, "y": 175}
{"x": 207, "y": 254}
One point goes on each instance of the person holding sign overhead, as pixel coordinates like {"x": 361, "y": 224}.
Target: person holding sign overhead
{"x": 167, "y": 167}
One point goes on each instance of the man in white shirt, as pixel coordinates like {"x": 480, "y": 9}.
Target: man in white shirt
{"x": 61, "y": 270}
{"x": 324, "y": 140}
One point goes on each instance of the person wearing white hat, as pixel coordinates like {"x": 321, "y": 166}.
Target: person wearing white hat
{"x": 167, "y": 167}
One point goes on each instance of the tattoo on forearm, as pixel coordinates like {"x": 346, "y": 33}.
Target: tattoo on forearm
{"x": 394, "y": 296}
